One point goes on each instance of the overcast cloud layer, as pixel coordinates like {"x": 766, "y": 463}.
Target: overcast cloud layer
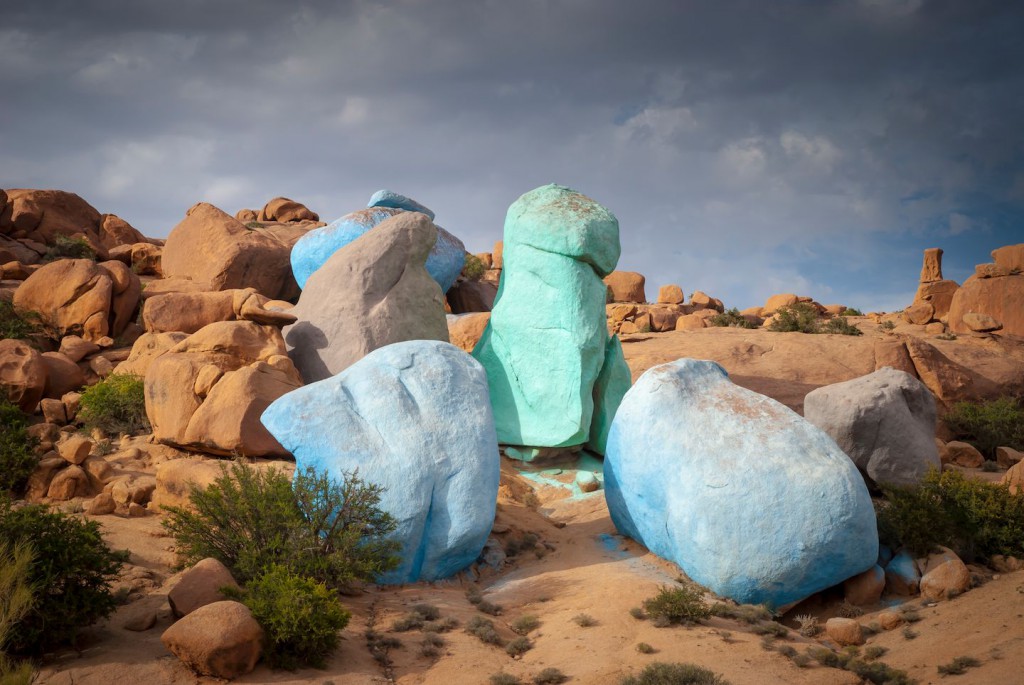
{"x": 747, "y": 147}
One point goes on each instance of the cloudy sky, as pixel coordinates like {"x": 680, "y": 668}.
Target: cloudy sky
{"x": 747, "y": 147}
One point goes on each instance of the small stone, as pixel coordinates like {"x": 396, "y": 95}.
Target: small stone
{"x": 961, "y": 454}
{"x": 101, "y": 366}
{"x": 67, "y": 483}
{"x": 945, "y": 576}
{"x": 670, "y": 294}
{"x": 587, "y": 481}
{"x": 100, "y": 505}
{"x": 136, "y": 510}
{"x": 844, "y": 631}
{"x": 889, "y": 619}
{"x": 199, "y": 586}
{"x": 919, "y": 313}
{"x": 76, "y": 348}
{"x": 53, "y": 411}
{"x": 981, "y": 323}
{"x": 1007, "y": 457}
{"x": 141, "y": 620}
{"x": 76, "y": 449}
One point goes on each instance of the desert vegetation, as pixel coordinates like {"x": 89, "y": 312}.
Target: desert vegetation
{"x": 115, "y": 405}
{"x": 17, "y": 448}
{"x": 989, "y": 424}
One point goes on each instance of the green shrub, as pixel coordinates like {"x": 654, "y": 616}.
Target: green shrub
{"x": 645, "y": 648}
{"x": 550, "y": 676}
{"x": 678, "y": 605}
{"x": 840, "y": 326}
{"x": 971, "y": 517}
{"x": 519, "y": 646}
{"x": 16, "y": 600}
{"x": 301, "y": 617}
{"x": 959, "y": 665}
{"x": 15, "y": 325}
{"x": 488, "y": 608}
{"x": 431, "y": 644}
{"x": 66, "y": 247}
{"x": 525, "y": 624}
{"x": 115, "y": 405}
{"x": 502, "y": 678}
{"x": 878, "y": 673}
{"x": 484, "y": 630}
{"x": 472, "y": 268}
{"x": 808, "y": 625}
{"x": 850, "y": 311}
{"x": 71, "y": 572}
{"x": 638, "y": 613}
{"x": 748, "y": 613}
{"x": 660, "y": 673}
{"x": 253, "y": 225}
{"x": 730, "y": 318}
{"x": 770, "y": 628}
{"x": 442, "y": 625}
{"x": 801, "y": 317}
{"x": 988, "y": 425}
{"x": 584, "y": 620}
{"x": 887, "y": 325}
{"x": 17, "y": 448}
{"x": 252, "y": 520}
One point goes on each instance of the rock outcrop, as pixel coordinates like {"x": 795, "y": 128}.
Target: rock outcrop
{"x": 626, "y": 286}
{"x": 284, "y": 210}
{"x": 222, "y": 640}
{"x": 207, "y": 392}
{"x": 547, "y": 341}
{"x": 216, "y": 250}
{"x": 22, "y": 374}
{"x": 413, "y": 417}
{"x": 373, "y": 292}
{"x": 687, "y": 445}
{"x": 993, "y": 298}
{"x": 884, "y": 421}
{"x": 444, "y": 263}
{"x": 188, "y": 312}
{"x": 934, "y": 293}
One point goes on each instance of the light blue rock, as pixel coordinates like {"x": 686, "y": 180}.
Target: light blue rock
{"x": 751, "y": 500}
{"x": 902, "y": 575}
{"x": 414, "y": 418}
{"x": 389, "y": 198}
{"x": 546, "y": 345}
{"x": 311, "y": 251}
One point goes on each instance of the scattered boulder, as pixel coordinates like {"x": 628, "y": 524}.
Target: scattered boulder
{"x": 389, "y": 198}
{"x": 221, "y": 639}
{"x": 439, "y": 464}
{"x": 884, "y": 421}
{"x": 464, "y": 330}
{"x": 200, "y": 585}
{"x": 944, "y": 576}
{"x": 919, "y": 313}
{"x": 1007, "y": 457}
{"x": 218, "y": 251}
{"x": 175, "y": 478}
{"x": 146, "y": 348}
{"x": 865, "y": 589}
{"x": 777, "y": 302}
{"x": 844, "y": 631}
{"x": 962, "y": 454}
{"x": 208, "y": 391}
{"x": 62, "y": 375}
{"x": 69, "y": 482}
{"x": 980, "y": 323}
{"x": 188, "y": 312}
{"x": 76, "y": 348}
{"x": 246, "y": 215}
{"x": 1010, "y": 258}
{"x": 444, "y": 262}
{"x": 686, "y": 445}
{"x": 22, "y": 374}
{"x": 670, "y": 294}
{"x": 115, "y": 231}
{"x": 373, "y": 292}
{"x": 284, "y": 210}
{"x": 543, "y": 362}
{"x": 75, "y": 449}
{"x": 902, "y": 576}
{"x": 994, "y": 301}
{"x": 471, "y": 296}
{"x": 45, "y": 215}
{"x": 626, "y": 286}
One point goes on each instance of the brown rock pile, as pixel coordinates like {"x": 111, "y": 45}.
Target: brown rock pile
{"x": 993, "y": 298}
{"x": 626, "y": 286}
{"x": 934, "y": 293}
{"x": 188, "y": 312}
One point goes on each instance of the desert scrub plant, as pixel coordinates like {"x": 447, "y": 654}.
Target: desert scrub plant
{"x": 16, "y": 598}
{"x": 971, "y": 517}
{"x": 946, "y": 336}
{"x": 839, "y": 326}
{"x": 71, "y": 574}
{"x": 771, "y": 628}
{"x": 909, "y": 633}
{"x": 251, "y": 519}
{"x": 847, "y": 610}
{"x": 645, "y": 648}
{"x": 431, "y": 644}
{"x": 300, "y": 617}
{"x": 525, "y": 624}
{"x": 417, "y": 618}
{"x": 988, "y": 425}
{"x": 730, "y": 318}
{"x": 502, "y": 678}
{"x": 874, "y": 652}
{"x": 488, "y": 608}
{"x": 17, "y": 448}
{"x": 638, "y": 614}
{"x": 584, "y": 620}
{"x": 748, "y": 613}
{"x": 887, "y": 325}
{"x": 115, "y": 405}
{"x": 253, "y": 225}
{"x": 851, "y": 311}
{"x": 472, "y": 268}
{"x": 550, "y": 676}
{"x": 809, "y": 626}
{"x": 441, "y": 625}
{"x": 660, "y": 673}
{"x": 959, "y": 665}
{"x": 518, "y": 646}
{"x": 18, "y": 325}
{"x": 483, "y": 629}
{"x": 677, "y": 605}
{"x": 801, "y": 317}
{"x": 66, "y": 247}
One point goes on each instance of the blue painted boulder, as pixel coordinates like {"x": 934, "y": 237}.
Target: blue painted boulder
{"x": 414, "y": 418}
{"x": 751, "y": 500}
{"x": 556, "y": 377}
{"x": 444, "y": 263}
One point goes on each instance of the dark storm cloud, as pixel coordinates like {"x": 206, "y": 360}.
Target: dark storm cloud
{"x": 746, "y": 147}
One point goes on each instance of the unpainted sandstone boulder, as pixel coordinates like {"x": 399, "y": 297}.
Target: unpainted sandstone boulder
{"x": 221, "y": 639}
{"x": 626, "y": 286}
{"x": 22, "y": 374}
{"x": 200, "y": 585}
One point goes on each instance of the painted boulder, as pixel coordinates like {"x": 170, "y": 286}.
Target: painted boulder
{"x": 750, "y": 499}
{"x": 414, "y": 418}
{"x": 884, "y": 421}
{"x": 551, "y": 365}
{"x": 444, "y": 263}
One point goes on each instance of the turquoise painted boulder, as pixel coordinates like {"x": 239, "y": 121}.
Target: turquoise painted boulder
{"x": 444, "y": 263}
{"x": 414, "y": 418}
{"x": 547, "y": 343}
{"x": 751, "y": 500}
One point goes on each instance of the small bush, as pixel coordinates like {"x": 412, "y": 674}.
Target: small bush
{"x": 730, "y": 318}
{"x": 678, "y": 605}
{"x": 252, "y": 225}
{"x": 473, "y": 596}
{"x": 17, "y": 448}
{"x": 824, "y": 656}
{"x": 428, "y": 612}
{"x": 801, "y": 660}
{"x": 71, "y": 572}
{"x": 875, "y": 652}
{"x": 15, "y": 325}
{"x": 502, "y": 678}
{"x": 525, "y": 624}
{"x": 488, "y": 608}
{"x": 472, "y": 268}
{"x": 645, "y": 648}
{"x": 850, "y": 311}
{"x": 484, "y": 630}
{"x": 801, "y": 317}
{"x": 660, "y": 673}
{"x": 584, "y": 620}
{"x": 808, "y": 625}
{"x": 770, "y": 628}
{"x": 971, "y": 517}
{"x": 887, "y": 325}
{"x": 431, "y": 645}
{"x": 748, "y": 613}
{"x": 946, "y": 336}
{"x": 768, "y": 643}
{"x": 16, "y": 598}
{"x": 878, "y": 673}
{"x": 638, "y": 614}
{"x": 988, "y": 425}
{"x": 550, "y": 676}
{"x": 526, "y": 542}
{"x": 847, "y": 610}
{"x": 840, "y": 326}
{"x": 251, "y": 520}
{"x": 519, "y": 646}
{"x": 909, "y": 633}
{"x": 116, "y": 404}
{"x": 410, "y": 621}
{"x": 442, "y": 625}
{"x": 301, "y": 618}
{"x": 959, "y": 665}
{"x": 66, "y": 247}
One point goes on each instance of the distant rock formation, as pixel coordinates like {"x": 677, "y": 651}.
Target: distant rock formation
{"x": 993, "y": 298}
{"x": 934, "y": 293}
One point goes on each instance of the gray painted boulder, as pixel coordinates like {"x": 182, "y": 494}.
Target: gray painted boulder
{"x": 373, "y": 292}
{"x": 884, "y": 421}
